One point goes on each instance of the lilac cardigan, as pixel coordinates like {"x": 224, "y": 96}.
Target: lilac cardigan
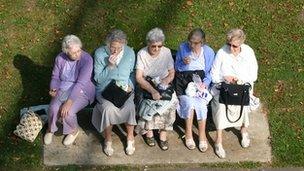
{"x": 83, "y": 72}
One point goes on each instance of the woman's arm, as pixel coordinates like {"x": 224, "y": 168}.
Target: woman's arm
{"x": 101, "y": 66}
{"x": 146, "y": 85}
{"x": 209, "y": 58}
{"x": 216, "y": 67}
{"x": 55, "y": 79}
{"x": 84, "y": 77}
{"x": 169, "y": 78}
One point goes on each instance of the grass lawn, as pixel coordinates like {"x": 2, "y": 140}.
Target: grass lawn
{"x": 31, "y": 33}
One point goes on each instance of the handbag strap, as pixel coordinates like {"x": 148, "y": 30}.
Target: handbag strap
{"x": 241, "y": 111}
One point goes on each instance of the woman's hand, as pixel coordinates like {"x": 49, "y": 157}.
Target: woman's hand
{"x": 230, "y": 79}
{"x": 187, "y": 60}
{"x": 53, "y": 92}
{"x": 65, "y": 108}
{"x": 156, "y": 95}
{"x": 112, "y": 60}
{"x": 201, "y": 87}
{"x": 166, "y": 81}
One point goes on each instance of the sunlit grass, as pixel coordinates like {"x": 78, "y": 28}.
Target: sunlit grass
{"x": 31, "y": 32}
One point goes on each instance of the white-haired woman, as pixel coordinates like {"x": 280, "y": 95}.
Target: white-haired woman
{"x": 155, "y": 61}
{"x": 71, "y": 88}
{"x": 114, "y": 61}
{"x": 234, "y": 63}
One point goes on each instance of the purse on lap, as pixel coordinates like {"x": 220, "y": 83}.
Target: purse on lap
{"x": 115, "y": 94}
{"x": 165, "y": 94}
{"x": 234, "y": 94}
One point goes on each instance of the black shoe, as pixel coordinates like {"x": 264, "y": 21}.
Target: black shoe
{"x": 164, "y": 145}
{"x": 150, "y": 141}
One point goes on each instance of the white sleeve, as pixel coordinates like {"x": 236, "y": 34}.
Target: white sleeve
{"x": 216, "y": 67}
{"x": 253, "y": 67}
{"x": 139, "y": 62}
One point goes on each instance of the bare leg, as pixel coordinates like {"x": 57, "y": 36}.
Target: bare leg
{"x": 149, "y": 133}
{"x": 130, "y": 130}
{"x": 163, "y": 135}
{"x": 219, "y": 138}
{"x": 189, "y": 123}
{"x": 108, "y": 133}
{"x": 243, "y": 129}
{"x": 201, "y": 129}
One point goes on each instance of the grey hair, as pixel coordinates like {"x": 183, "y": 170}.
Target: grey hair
{"x": 198, "y": 32}
{"x": 70, "y": 40}
{"x": 116, "y": 36}
{"x": 155, "y": 35}
{"x": 236, "y": 34}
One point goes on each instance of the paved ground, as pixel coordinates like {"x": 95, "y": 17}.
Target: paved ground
{"x": 87, "y": 149}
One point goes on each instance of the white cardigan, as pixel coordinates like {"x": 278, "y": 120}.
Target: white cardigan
{"x": 244, "y": 66}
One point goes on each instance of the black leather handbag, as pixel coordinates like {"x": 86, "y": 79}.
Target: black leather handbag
{"x": 166, "y": 94}
{"x": 234, "y": 94}
{"x": 115, "y": 94}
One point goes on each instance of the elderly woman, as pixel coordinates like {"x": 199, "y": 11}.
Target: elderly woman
{"x": 71, "y": 89}
{"x": 115, "y": 61}
{"x": 193, "y": 64}
{"x": 234, "y": 63}
{"x": 155, "y": 61}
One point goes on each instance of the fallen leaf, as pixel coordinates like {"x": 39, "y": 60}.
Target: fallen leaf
{"x": 189, "y": 2}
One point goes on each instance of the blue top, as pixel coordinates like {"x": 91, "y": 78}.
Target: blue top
{"x": 185, "y": 51}
{"x": 123, "y": 72}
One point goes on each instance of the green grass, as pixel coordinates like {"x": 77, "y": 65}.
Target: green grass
{"x": 31, "y": 32}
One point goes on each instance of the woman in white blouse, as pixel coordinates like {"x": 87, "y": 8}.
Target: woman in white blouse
{"x": 235, "y": 62}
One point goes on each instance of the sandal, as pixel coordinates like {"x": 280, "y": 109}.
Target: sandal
{"x": 203, "y": 146}
{"x": 190, "y": 144}
{"x": 164, "y": 145}
{"x": 150, "y": 141}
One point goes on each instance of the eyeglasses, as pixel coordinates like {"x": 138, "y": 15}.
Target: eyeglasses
{"x": 154, "y": 46}
{"x": 194, "y": 43}
{"x": 231, "y": 45}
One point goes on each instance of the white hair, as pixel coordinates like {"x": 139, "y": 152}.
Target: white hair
{"x": 116, "y": 36}
{"x": 155, "y": 35}
{"x": 70, "y": 40}
{"x": 236, "y": 34}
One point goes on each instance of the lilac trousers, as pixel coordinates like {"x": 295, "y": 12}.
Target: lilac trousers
{"x": 69, "y": 123}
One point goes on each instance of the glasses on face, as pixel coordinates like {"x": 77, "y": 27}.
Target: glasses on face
{"x": 194, "y": 43}
{"x": 155, "y": 46}
{"x": 231, "y": 45}
{"x": 114, "y": 49}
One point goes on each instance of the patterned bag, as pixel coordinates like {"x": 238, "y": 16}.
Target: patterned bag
{"x": 29, "y": 126}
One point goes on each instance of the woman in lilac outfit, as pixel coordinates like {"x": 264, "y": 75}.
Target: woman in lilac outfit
{"x": 71, "y": 89}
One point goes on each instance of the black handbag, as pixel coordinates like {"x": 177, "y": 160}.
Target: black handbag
{"x": 115, "y": 94}
{"x": 234, "y": 94}
{"x": 165, "y": 94}
{"x": 183, "y": 78}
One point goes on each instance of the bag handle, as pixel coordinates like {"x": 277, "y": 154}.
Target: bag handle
{"x": 242, "y": 105}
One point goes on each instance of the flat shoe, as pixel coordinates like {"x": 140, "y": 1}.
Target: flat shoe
{"x": 48, "y": 137}
{"x": 190, "y": 144}
{"x": 108, "y": 150}
{"x": 69, "y": 139}
{"x": 203, "y": 146}
{"x": 150, "y": 141}
{"x": 245, "y": 140}
{"x": 130, "y": 147}
{"x": 164, "y": 145}
{"x": 219, "y": 151}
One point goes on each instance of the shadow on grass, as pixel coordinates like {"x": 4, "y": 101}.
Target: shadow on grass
{"x": 36, "y": 78}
